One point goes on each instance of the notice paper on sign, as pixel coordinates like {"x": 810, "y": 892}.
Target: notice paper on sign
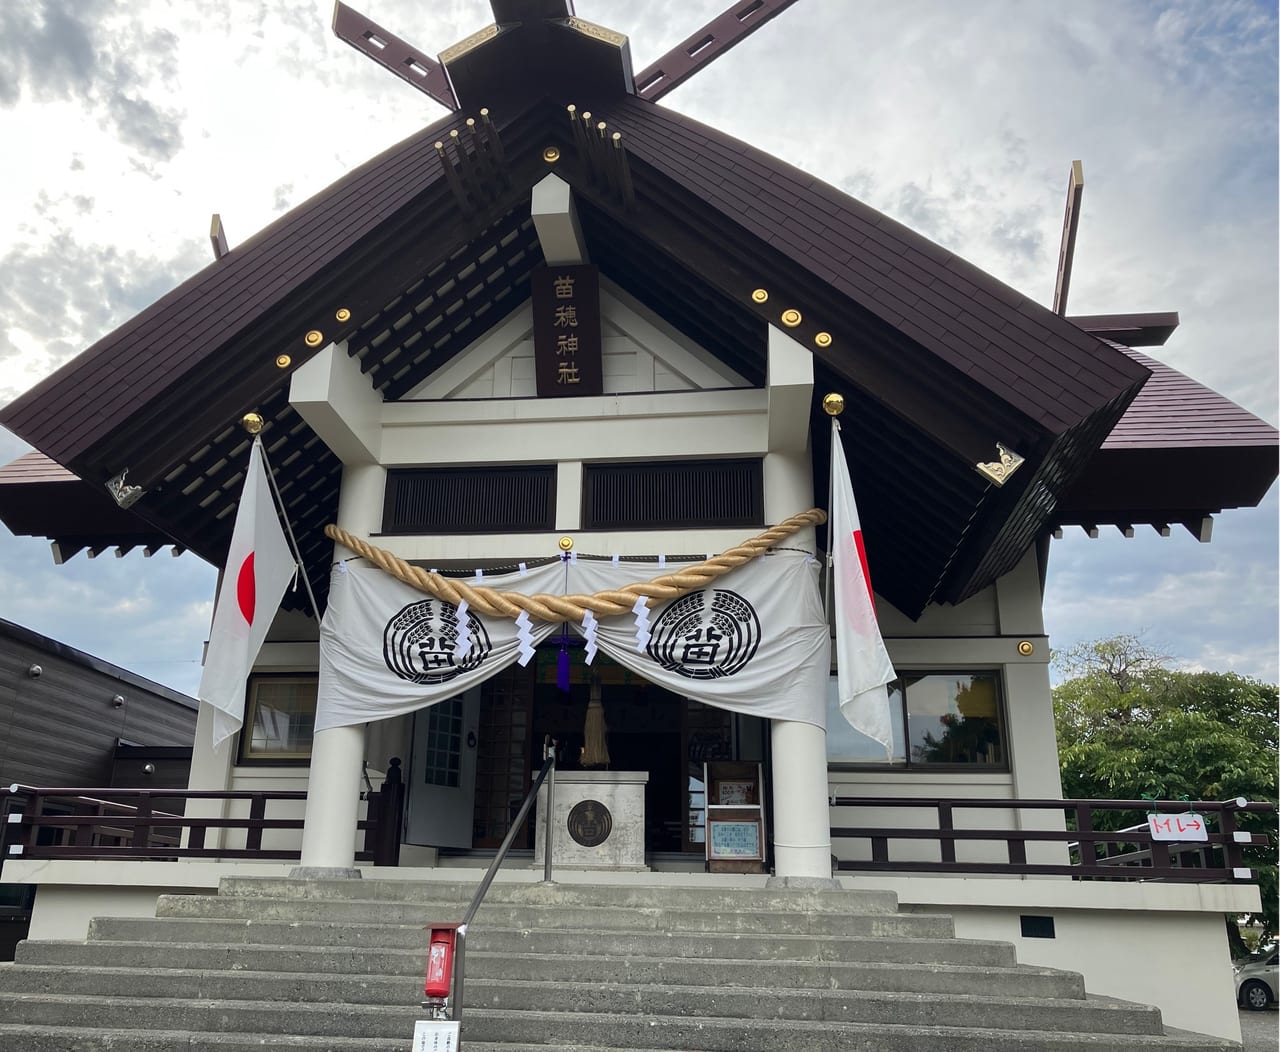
{"x": 1177, "y": 827}
{"x": 435, "y": 1035}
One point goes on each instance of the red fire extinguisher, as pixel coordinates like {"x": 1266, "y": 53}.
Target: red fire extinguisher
{"x": 440, "y": 963}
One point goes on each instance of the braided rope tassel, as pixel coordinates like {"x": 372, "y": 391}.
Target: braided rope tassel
{"x": 544, "y": 607}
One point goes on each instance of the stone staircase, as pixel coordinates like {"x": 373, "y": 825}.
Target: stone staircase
{"x": 337, "y": 965}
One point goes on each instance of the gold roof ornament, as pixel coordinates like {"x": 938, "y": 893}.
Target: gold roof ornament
{"x": 252, "y": 422}
{"x": 566, "y": 544}
{"x": 791, "y": 317}
{"x": 833, "y": 404}
{"x": 999, "y": 471}
{"x": 760, "y": 296}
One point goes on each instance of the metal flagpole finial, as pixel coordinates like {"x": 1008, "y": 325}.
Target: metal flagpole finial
{"x": 251, "y": 422}
{"x": 833, "y": 404}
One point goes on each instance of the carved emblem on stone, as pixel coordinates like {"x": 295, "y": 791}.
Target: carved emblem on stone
{"x": 590, "y": 823}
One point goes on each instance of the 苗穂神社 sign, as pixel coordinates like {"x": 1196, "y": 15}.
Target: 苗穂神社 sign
{"x": 566, "y": 330}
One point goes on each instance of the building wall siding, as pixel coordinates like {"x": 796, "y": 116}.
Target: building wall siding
{"x": 61, "y": 728}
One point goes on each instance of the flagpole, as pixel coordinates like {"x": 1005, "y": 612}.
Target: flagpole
{"x": 253, "y": 426}
{"x": 833, "y": 405}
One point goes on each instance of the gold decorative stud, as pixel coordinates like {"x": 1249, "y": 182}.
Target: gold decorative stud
{"x": 251, "y": 422}
{"x": 760, "y": 295}
{"x": 342, "y": 314}
{"x": 823, "y": 339}
{"x": 551, "y": 154}
{"x": 566, "y": 543}
{"x": 314, "y": 338}
{"x": 283, "y": 361}
{"x": 1026, "y": 648}
{"x": 833, "y": 404}
{"x": 791, "y": 317}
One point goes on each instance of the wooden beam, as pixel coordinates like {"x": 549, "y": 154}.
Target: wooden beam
{"x": 707, "y": 44}
{"x": 1070, "y": 224}
{"x": 394, "y": 54}
{"x": 1201, "y": 529}
{"x": 218, "y": 237}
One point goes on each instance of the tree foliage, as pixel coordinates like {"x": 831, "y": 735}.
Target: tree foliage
{"x": 1130, "y": 727}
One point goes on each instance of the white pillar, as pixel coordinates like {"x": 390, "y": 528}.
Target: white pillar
{"x": 801, "y": 815}
{"x": 337, "y": 754}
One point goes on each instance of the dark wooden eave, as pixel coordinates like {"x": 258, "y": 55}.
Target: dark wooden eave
{"x": 1180, "y": 453}
{"x": 1152, "y": 329}
{"x": 937, "y": 360}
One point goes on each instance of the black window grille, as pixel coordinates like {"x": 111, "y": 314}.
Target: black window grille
{"x": 470, "y": 500}
{"x": 673, "y": 494}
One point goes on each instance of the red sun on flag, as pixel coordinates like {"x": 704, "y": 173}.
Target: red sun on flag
{"x": 245, "y": 591}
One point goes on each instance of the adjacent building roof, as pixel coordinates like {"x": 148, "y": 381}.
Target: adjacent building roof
{"x": 430, "y": 244}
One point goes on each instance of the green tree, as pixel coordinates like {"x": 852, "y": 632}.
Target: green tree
{"x": 1129, "y": 727}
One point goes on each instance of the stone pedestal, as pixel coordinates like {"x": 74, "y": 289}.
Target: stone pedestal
{"x": 598, "y": 821}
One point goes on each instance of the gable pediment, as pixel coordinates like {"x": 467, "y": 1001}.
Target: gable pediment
{"x": 642, "y": 354}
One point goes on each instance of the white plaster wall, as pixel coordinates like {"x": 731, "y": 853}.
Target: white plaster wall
{"x": 1178, "y": 962}
{"x": 1158, "y": 944}
{"x": 984, "y": 632}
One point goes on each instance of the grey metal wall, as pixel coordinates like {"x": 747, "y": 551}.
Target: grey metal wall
{"x": 61, "y": 728}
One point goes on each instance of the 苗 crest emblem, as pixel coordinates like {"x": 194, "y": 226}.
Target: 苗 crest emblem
{"x": 706, "y": 635}
{"x": 419, "y": 643}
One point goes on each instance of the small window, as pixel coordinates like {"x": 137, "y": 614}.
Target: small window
{"x": 279, "y": 718}
{"x": 939, "y": 719}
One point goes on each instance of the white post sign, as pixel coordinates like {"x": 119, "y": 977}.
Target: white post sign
{"x": 435, "y": 1035}
{"x": 1177, "y": 827}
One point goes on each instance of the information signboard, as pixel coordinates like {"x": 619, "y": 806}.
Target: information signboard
{"x": 1182, "y": 827}
{"x": 435, "y": 1035}
{"x": 733, "y": 838}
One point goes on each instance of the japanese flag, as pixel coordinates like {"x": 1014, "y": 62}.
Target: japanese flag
{"x": 863, "y": 667}
{"x": 258, "y": 569}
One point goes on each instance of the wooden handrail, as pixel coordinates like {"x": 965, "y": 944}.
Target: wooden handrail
{"x": 1150, "y": 859}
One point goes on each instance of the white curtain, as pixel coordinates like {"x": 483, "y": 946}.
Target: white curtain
{"x": 754, "y": 641}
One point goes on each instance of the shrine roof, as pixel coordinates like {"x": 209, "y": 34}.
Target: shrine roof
{"x": 938, "y": 360}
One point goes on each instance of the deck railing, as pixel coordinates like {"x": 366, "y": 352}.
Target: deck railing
{"x": 1088, "y": 849}
{"x": 77, "y": 823}
{"x": 1074, "y": 839}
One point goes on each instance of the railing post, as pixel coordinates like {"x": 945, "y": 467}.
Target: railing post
{"x": 142, "y": 823}
{"x": 257, "y": 812}
{"x": 946, "y": 824}
{"x": 459, "y": 974}
{"x": 549, "y": 753}
{"x": 1084, "y": 825}
{"x": 1232, "y": 852}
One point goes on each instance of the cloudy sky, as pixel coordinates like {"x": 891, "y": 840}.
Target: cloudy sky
{"x": 127, "y": 123}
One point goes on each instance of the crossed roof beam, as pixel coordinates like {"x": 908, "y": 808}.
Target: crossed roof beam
{"x": 430, "y": 76}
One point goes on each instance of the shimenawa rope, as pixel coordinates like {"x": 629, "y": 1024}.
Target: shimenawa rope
{"x": 544, "y": 607}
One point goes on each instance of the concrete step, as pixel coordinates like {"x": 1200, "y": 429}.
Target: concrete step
{"x": 562, "y": 893}
{"x": 970, "y": 1009}
{"x": 21, "y": 1038}
{"x": 319, "y": 961}
{"x": 726, "y": 1035}
{"x": 609, "y": 943}
{"x": 637, "y": 1031}
{"x": 546, "y": 916}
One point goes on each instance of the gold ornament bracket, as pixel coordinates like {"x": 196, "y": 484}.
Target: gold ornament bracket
{"x": 544, "y": 607}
